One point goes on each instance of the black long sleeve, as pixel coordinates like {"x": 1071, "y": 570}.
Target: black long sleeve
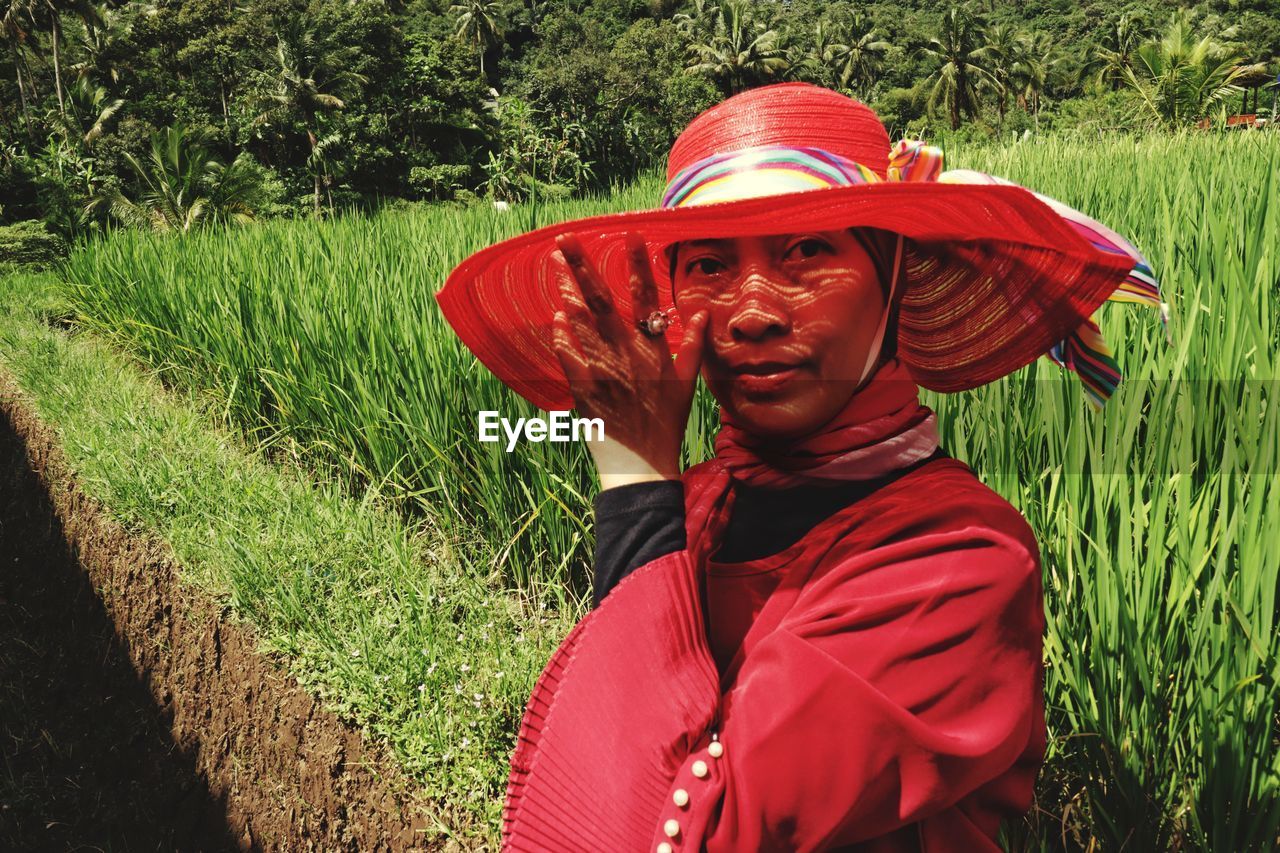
{"x": 641, "y": 522}
{"x": 635, "y": 524}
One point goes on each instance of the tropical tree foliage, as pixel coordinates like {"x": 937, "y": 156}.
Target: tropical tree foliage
{"x": 185, "y": 185}
{"x": 858, "y": 54}
{"x": 1182, "y": 77}
{"x": 1113, "y": 56}
{"x": 742, "y": 50}
{"x": 90, "y": 110}
{"x": 959, "y": 65}
{"x": 531, "y": 161}
{"x": 480, "y": 23}
{"x": 349, "y": 103}
{"x": 1038, "y": 63}
{"x": 1006, "y": 54}
{"x": 309, "y": 79}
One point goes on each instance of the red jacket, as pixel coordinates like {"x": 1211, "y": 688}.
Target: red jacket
{"x": 887, "y": 694}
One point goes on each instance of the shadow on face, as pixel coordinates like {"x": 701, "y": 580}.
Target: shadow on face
{"x": 791, "y": 320}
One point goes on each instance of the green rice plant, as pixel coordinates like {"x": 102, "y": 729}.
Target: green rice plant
{"x": 323, "y": 341}
{"x": 1153, "y": 515}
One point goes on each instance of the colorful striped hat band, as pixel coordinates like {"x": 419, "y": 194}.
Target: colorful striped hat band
{"x": 778, "y": 169}
{"x": 775, "y": 170}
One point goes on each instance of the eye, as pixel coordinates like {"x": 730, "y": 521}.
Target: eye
{"x": 706, "y": 265}
{"x": 807, "y": 247}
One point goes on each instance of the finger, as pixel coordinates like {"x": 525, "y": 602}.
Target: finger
{"x": 644, "y": 291}
{"x": 574, "y": 364}
{"x": 584, "y": 324}
{"x": 689, "y": 358}
{"x": 594, "y": 292}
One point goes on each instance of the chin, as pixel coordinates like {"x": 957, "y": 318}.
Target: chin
{"x": 781, "y": 416}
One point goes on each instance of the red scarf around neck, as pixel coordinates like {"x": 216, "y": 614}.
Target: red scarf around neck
{"x": 882, "y": 428}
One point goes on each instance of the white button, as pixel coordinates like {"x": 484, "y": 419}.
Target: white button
{"x": 671, "y": 828}
{"x": 699, "y": 769}
{"x": 715, "y": 748}
{"x": 681, "y": 796}
{"x": 664, "y": 847}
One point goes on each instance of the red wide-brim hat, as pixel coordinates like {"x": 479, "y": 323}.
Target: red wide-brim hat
{"x": 994, "y": 275}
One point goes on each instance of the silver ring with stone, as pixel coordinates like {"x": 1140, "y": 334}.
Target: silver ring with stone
{"x": 656, "y": 323}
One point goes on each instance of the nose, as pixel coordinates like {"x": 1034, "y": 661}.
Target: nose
{"x": 759, "y": 311}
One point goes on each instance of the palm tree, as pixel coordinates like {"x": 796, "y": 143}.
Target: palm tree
{"x": 479, "y": 21}
{"x": 1037, "y": 66}
{"x": 1119, "y": 43}
{"x": 323, "y": 160}
{"x": 529, "y": 14}
{"x": 96, "y": 41}
{"x": 812, "y": 61}
{"x": 91, "y": 108}
{"x": 184, "y": 185}
{"x": 1005, "y": 53}
{"x": 698, "y": 25}
{"x": 741, "y": 52}
{"x": 50, "y": 12}
{"x": 859, "y": 54}
{"x": 17, "y": 21}
{"x": 307, "y": 82}
{"x": 230, "y": 186}
{"x": 959, "y": 65}
{"x": 1179, "y": 78}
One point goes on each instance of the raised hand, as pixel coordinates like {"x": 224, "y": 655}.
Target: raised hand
{"x": 618, "y": 373}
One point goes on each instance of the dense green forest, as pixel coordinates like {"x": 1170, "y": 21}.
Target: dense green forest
{"x": 171, "y": 114}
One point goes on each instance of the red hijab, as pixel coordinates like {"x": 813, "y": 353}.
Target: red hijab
{"x": 883, "y": 427}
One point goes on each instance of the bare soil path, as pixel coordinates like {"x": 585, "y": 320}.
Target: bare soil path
{"x": 86, "y": 759}
{"x": 137, "y": 715}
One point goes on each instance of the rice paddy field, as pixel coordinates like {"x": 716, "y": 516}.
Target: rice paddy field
{"x": 321, "y": 345}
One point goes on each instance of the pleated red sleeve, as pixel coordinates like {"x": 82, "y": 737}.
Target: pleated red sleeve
{"x": 904, "y": 681}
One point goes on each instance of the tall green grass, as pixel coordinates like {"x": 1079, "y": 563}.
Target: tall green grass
{"x": 1157, "y": 517}
{"x": 325, "y": 341}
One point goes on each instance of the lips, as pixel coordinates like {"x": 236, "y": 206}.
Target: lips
{"x": 758, "y": 377}
{"x": 763, "y": 368}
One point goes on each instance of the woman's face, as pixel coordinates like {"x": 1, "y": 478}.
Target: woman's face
{"x": 790, "y": 321}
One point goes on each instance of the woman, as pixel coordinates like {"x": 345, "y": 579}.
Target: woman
{"x": 829, "y": 635}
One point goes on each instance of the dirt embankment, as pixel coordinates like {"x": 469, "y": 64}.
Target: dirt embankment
{"x": 135, "y": 716}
